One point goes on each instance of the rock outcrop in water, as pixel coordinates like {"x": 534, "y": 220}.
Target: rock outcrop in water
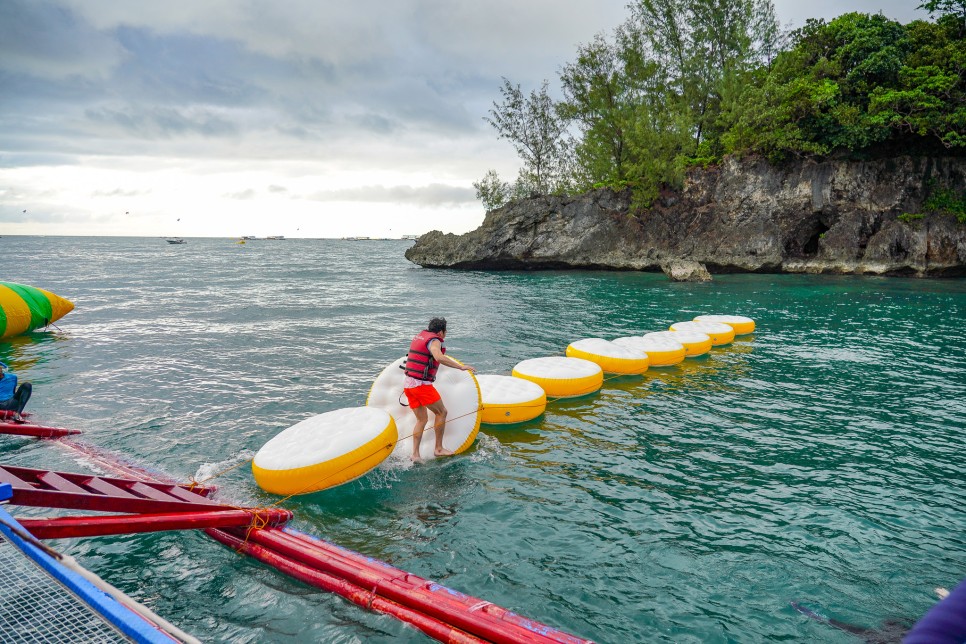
{"x": 741, "y": 216}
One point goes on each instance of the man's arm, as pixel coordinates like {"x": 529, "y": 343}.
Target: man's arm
{"x": 442, "y": 358}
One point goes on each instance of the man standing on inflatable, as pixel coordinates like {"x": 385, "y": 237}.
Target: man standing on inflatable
{"x": 426, "y": 353}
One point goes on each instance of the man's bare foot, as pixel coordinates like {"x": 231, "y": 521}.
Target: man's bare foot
{"x": 417, "y": 458}
{"x": 442, "y": 452}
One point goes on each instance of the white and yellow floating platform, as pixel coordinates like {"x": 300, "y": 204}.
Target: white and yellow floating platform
{"x": 508, "y": 399}
{"x": 695, "y": 343}
{"x": 661, "y": 351}
{"x": 610, "y": 357}
{"x": 461, "y": 395}
{"x": 562, "y": 377}
{"x": 719, "y": 332}
{"x": 325, "y": 450}
{"x": 339, "y": 446}
{"x": 741, "y": 324}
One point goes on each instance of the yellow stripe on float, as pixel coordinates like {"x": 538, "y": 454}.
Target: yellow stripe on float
{"x": 59, "y": 306}
{"x": 566, "y": 387}
{"x": 610, "y": 364}
{"x": 506, "y": 413}
{"x": 15, "y": 310}
{"x": 339, "y": 470}
{"x": 666, "y": 358}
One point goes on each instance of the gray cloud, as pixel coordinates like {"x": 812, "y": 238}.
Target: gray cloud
{"x": 368, "y": 87}
{"x": 435, "y": 194}
{"x": 40, "y": 39}
{"x": 119, "y": 192}
{"x": 164, "y": 122}
{"x": 243, "y": 195}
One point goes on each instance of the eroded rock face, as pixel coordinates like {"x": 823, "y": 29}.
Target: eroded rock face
{"x": 683, "y": 270}
{"x": 827, "y": 217}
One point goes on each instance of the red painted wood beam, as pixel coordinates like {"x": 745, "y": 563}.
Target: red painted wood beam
{"x": 361, "y": 597}
{"x": 36, "y": 431}
{"x": 43, "y": 488}
{"x": 469, "y": 614}
{"x": 97, "y": 526}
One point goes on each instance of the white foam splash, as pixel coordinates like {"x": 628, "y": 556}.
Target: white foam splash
{"x": 207, "y": 470}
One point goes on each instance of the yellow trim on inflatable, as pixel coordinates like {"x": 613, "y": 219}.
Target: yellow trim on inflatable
{"x": 693, "y": 349}
{"x": 741, "y": 324}
{"x": 510, "y": 402}
{"x": 695, "y": 343}
{"x": 507, "y": 413}
{"x": 479, "y": 415}
{"x": 666, "y": 358}
{"x": 59, "y": 306}
{"x": 16, "y": 310}
{"x": 336, "y": 471}
{"x": 566, "y": 387}
{"x": 611, "y": 364}
{"x": 717, "y": 337}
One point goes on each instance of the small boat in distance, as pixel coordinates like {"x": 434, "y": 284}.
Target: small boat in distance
{"x": 248, "y": 236}
{"x": 275, "y": 237}
{"x": 174, "y": 240}
{"x": 357, "y": 238}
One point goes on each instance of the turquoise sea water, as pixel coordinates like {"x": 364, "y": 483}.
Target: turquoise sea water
{"x": 820, "y": 460}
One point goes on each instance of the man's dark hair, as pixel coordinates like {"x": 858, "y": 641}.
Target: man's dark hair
{"x": 437, "y": 324}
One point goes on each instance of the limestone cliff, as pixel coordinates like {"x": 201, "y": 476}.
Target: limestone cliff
{"x": 743, "y": 215}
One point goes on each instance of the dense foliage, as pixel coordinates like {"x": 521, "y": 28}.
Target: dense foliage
{"x": 684, "y": 82}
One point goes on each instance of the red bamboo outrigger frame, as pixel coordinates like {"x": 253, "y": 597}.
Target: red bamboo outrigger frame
{"x": 153, "y": 504}
{"x": 8, "y": 426}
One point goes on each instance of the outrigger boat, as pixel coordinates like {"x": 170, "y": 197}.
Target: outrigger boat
{"x": 150, "y": 502}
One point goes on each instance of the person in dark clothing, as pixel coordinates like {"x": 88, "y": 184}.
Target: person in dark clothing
{"x": 12, "y": 397}
{"x": 944, "y": 623}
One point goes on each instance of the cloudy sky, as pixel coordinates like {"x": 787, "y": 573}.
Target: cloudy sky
{"x": 303, "y": 118}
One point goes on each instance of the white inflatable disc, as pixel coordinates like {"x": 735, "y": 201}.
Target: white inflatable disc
{"x": 741, "y": 324}
{"x": 325, "y": 450}
{"x": 461, "y": 396}
{"x": 562, "y": 377}
{"x": 507, "y": 399}
{"x": 612, "y": 358}
{"x": 695, "y": 343}
{"x": 720, "y": 333}
{"x": 661, "y": 351}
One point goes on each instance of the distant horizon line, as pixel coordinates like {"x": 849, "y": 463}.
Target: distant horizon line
{"x": 236, "y": 237}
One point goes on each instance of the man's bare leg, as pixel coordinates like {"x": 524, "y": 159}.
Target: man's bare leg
{"x": 439, "y": 410}
{"x": 421, "y": 418}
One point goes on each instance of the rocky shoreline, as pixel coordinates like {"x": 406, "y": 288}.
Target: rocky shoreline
{"x": 834, "y": 216}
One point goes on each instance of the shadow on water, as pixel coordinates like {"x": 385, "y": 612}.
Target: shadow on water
{"x": 33, "y": 349}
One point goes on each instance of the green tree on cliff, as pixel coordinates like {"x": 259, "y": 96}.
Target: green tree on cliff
{"x": 952, "y": 12}
{"x": 858, "y": 83}
{"x": 702, "y": 49}
{"x": 660, "y": 92}
{"x": 539, "y": 136}
{"x": 683, "y": 82}
{"x": 605, "y": 91}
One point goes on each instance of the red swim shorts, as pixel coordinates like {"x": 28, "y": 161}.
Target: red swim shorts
{"x": 421, "y": 396}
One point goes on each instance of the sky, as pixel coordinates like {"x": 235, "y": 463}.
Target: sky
{"x": 302, "y": 118}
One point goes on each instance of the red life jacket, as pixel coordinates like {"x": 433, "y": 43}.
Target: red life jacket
{"x": 419, "y": 361}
